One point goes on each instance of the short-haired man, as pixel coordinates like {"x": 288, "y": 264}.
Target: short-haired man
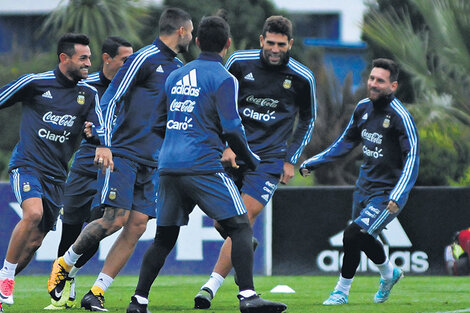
{"x": 55, "y": 106}
{"x": 202, "y": 110}
{"x": 388, "y": 172}
{"x": 274, "y": 90}
{"x": 80, "y": 187}
{"x": 128, "y": 155}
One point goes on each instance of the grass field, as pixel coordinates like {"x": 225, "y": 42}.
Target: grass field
{"x": 175, "y": 294}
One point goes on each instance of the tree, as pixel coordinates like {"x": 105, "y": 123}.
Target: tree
{"x": 96, "y": 18}
{"x": 335, "y": 105}
{"x": 245, "y": 17}
{"x": 429, "y": 39}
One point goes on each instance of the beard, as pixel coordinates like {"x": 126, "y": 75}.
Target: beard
{"x": 382, "y": 97}
{"x": 283, "y": 58}
{"x": 182, "y": 47}
{"x": 77, "y": 74}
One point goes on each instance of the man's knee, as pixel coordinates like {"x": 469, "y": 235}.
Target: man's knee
{"x": 166, "y": 236}
{"x": 352, "y": 235}
{"x": 32, "y": 217}
{"x": 239, "y": 223}
{"x": 114, "y": 219}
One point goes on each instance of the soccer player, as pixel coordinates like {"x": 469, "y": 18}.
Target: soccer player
{"x": 202, "y": 109}
{"x": 55, "y": 106}
{"x": 388, "y": 172}
{"x": 128, "y": 156}
{"x": 80, "y": 187}
{"x": 274, "y": 90}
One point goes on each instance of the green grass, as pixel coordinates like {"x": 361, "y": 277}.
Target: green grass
{"x": 175, "y": 294}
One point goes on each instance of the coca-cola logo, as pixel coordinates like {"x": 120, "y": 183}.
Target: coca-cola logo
{"x": 264, "y": 102}
{"x": 66, "y": 120}
{"x": 182, "y": 106}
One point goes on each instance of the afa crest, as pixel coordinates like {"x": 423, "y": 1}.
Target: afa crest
{"x": 81, "y": 98}
{"x": 26, "y": 187}
{"x": 287, "y": 83}
{"x": 386, "y": 123}
{"x": 112, "y": 194}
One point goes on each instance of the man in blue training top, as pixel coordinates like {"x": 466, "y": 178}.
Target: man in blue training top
{"x": 55, "y": 106}
{"x": 389, "y": 170}
{"x": 128, "y": 155}
{"x": 202, "y": 114}
{"x": 275, "y": 89}
{"x": 80, "y": 187}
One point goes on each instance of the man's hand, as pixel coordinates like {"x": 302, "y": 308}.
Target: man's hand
{"x": 288, "y": 173}
{"x": 392, "y": 207}
{"x": 87, "y": 130}
{"x": 104, "y": 159}
{"x": 228, "y": 159}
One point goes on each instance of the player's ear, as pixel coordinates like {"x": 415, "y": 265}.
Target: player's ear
{"x": 198, "y": 44}
{"x": 63, "y": 57}
{"x": 106, "y": 58}
{"x": 229, "y": 42}
{"x": 261, "y": 41}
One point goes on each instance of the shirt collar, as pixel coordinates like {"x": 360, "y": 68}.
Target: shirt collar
{"x": 164, "y": 48}
{"x": 210, "y": 56}
{"x": 103, "y": 79}
{"x": 63, "y": 80}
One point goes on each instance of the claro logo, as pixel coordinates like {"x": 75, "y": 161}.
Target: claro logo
{"x": 393, "y": 237}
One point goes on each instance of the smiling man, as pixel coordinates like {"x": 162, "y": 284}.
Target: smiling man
{"x": 128, "y": 156}
{"x": 55, "y": 106}
{"x": 274, "y": 90}
{"x": 389, "y": 170}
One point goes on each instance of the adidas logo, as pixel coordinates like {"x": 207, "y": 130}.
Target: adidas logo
{"x": 159, "y": 69}
{"x": 47, "y": 94}
{"x": 365, "y": 116}
{"x": 265, "y": 197}
{"x": 187, "y": 85}
{"x": 249, "y": 76}
{"x": 365, "y": 220}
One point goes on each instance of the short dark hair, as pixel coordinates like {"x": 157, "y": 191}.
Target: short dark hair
{"x": 111, "y": 45}
{"x": 279, "y": 25}
{"x": 213, "y": 33}
{"x": 67, "y": 43}
{"x": 388, "y": 65}
{"x": 171, "y": 20}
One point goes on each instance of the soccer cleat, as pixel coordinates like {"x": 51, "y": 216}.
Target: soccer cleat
{"x": 92, "y": 302}
{"x": 256, "y": 304}
{"x": 1, "y": 308}
{"x": 336, "y": 298}
{"x": 203, "y": 299}
{"x": 56, "y": 282}
{"x": 6, "y": 291}
{"x": 136, "y": 307}
{"x": 386, "y": 285}
{"x": 71, "y": 302}
{"x": 67, "y": 301}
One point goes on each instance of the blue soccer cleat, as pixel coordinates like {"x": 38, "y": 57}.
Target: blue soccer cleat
{"x": 387, "y": 285}
{"x": 336, "y": 298}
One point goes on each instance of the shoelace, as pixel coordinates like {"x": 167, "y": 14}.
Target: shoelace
{"x": 7, "y": 287}
{"x": 101, "y": 299}
{"x": 61, "y": 276}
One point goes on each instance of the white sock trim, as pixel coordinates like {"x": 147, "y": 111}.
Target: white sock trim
{"x": 103, "y": 281}
{"x": 215, "y": 281}
{"x": 247, "y": 293}
{"x": 8, "y": 270}
{"x": 141, "y": 299}
{"x": 70, "y": 257}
